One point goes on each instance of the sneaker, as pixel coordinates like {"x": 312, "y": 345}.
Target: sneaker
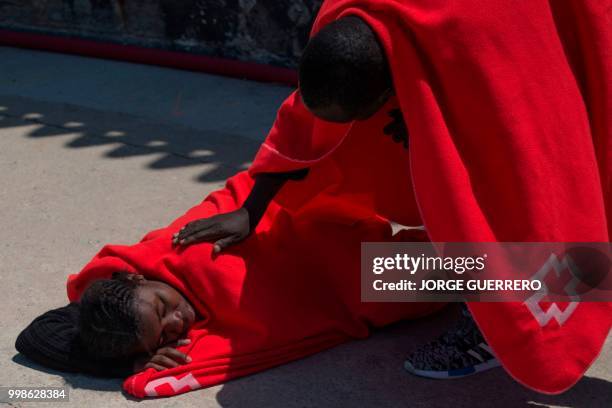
{"x": 460, "y": 352}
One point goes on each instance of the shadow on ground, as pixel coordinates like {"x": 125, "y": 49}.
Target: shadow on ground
{"x": 75, "y": 380}
{"x": 369, "y": 373}
{"x": 127, "y": 136}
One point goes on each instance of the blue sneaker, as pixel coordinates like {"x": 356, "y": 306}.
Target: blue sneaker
{"x": 460, "y": 352}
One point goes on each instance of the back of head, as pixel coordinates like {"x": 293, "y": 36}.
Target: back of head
{"x": 108, "y": 327}
{"x": 345, "y": 66}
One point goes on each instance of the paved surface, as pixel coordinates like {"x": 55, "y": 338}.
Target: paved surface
{"x": 95, "y": 151}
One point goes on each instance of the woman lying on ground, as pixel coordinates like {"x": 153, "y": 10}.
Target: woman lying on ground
{"x": 116, "y": 318}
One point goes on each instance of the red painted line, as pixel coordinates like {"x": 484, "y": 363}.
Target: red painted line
{"x": 150, "y": 56}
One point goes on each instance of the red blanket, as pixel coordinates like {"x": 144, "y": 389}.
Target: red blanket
{"x": 290, "y": 290}
{"x": 508, "y": 110}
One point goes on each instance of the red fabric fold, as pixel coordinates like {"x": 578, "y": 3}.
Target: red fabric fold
{"x": 508, "y": 110}
{"x": 297, "y": 139}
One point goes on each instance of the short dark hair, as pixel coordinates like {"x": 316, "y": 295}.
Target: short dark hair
{"x": 343, "y": 64}
{"x": 108, "y": 325}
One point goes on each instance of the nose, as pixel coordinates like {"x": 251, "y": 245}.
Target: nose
{"x": 175, "y": 326}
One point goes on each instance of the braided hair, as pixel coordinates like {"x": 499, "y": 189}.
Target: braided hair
{"x": 343, "y": 64}
{"x": 108, "y": 325}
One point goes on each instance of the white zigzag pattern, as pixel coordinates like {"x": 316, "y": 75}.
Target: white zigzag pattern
{"x": 188, "y": 380}
{"x": 553, "y": 312}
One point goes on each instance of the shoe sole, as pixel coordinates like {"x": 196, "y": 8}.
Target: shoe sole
{"x": 452, "y": 374}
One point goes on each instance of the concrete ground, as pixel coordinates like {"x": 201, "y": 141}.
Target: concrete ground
{"x": 95, "y": 151}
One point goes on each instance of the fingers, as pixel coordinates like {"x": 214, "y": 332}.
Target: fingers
{"x": 163, "y": 361}
{"x": 209, "y": 234}
{"x": 223, "y": 243}
{"x": 168, "y": 357}
{"x": 155, "y": 366}
{"x": 183, "y": 342}
{"x": 173, "y": 354}
{"x": 226, "y": 229}
{"x": 185, "y": 234}
{"x": 190, "y": 228}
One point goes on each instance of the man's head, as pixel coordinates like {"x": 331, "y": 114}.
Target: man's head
{"x": 129, "y": 315}
{"x": 343, "y": 72}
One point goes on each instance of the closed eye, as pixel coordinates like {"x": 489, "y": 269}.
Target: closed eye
{"x": 163, "y": 306}
{"x": 161, "y": 314}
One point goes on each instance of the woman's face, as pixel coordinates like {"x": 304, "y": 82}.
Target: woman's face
{"x": 163, "y": 313}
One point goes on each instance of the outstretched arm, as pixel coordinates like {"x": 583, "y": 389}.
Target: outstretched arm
{"x": 230, "y": 228}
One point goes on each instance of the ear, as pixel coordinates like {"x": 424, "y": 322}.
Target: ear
{"x": 132, "y": 277}
{"x": 136, "y": 277}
